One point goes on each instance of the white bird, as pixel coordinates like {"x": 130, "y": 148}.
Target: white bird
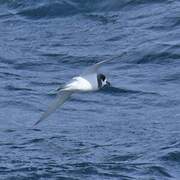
{"x": 89, "y": 80}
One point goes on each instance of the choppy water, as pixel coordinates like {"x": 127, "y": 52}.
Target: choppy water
{"x": 130, "y": 131}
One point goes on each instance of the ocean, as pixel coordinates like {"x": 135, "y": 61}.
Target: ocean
{"x": 130, "y": 131}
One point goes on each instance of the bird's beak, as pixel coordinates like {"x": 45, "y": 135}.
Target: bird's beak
{"x": 108, "y": 83}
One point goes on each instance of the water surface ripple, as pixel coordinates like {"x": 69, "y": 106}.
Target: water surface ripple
{"x": 129, "y": 131}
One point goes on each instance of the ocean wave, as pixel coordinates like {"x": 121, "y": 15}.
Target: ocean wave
{"x": 50, "y": 9}
{"x": 173, "y": 156}
{"x": 158, "y": 58}
{"x": 158, "y": 171}
{"x": 118, "y": 91}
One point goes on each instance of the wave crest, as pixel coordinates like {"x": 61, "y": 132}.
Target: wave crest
{"x": 50, "y": 9}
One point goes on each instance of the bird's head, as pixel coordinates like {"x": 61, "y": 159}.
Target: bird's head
{"x": 102, "y": 81}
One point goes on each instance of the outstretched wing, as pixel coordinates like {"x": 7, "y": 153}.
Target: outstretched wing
{"x": 94, "y": 68}
{"x": 60, "y": 99}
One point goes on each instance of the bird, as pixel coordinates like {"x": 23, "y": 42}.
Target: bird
{"x": 90, "y": 80}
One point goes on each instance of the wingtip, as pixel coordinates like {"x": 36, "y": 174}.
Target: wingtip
{"x": 36, "y": 123}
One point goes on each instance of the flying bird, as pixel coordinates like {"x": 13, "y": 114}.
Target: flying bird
{"x": 89, "y": 80}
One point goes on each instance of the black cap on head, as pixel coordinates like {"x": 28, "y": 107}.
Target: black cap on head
{"x": 100, "y": 79}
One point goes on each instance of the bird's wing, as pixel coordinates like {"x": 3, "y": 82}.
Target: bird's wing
{"x": 94, "y": 68}
{"x": 60, "y": 99}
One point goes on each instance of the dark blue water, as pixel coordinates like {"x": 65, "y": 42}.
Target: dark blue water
{"x": 130, "y": 131}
